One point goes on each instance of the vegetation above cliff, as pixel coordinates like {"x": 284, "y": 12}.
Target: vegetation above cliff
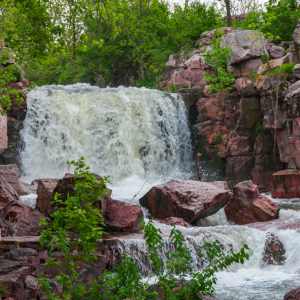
{"x": 119, "y": 42}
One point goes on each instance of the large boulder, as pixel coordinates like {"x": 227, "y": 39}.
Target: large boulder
{"x": 121, "y": 216}
{"x": 248, "y": 206}
{"x": 45, "y": 192}
{"x": 293, "y": 295}
{"x": 187, "y": 199}
{"x": 185, "y": 72}
{"x": 286, "y": 184}
{"x": 244, "y": 45}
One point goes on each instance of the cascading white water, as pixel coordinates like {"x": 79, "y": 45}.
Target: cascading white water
{"x": 137, "y": 137}
{"x": 140, "y": 137}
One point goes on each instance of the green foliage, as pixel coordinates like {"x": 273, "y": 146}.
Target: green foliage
{"x": 101, "y": 42}
{"x": 171, "y": 279}
{"x": 125, "y": 282}
{"x": 217, "y": 58}
{"x": 277, "y": 22}
{"x": 73, "y": 231}
{"x": 284, "y": 69}
{"x": 9, "y": 95}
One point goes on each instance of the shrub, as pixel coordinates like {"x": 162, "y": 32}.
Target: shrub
{"x": 8, "y": 95}
{"x": 73, "y": 231}
{"x": 218, "y": 58}
{"x": 284, "y": 69}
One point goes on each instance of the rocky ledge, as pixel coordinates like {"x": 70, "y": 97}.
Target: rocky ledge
{"x": 251, "y": 130}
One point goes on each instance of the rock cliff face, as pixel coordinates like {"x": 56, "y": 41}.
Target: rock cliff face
{"x": 12, "y": 122}
{"x": 253, "y": 128}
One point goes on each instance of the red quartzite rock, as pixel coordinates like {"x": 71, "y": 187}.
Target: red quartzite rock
{"x": 23, "y": 220}
{"x": 45, "y": 189}
{"x": 187, "y": 199}
{"x": 274, "y": 252}
{"x": 12, "y": 175}
{"x": 248, "y": 206}
{"x": 293, "y": 295}
{"x": 7, "y": 193}
{"x": 286, "y": 184}
{"x": 121, "y": 216}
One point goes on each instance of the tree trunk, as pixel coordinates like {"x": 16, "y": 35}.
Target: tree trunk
{"x": 228, "y": 12}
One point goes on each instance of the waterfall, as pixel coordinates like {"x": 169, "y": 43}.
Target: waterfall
{"x": 136, "y": 137}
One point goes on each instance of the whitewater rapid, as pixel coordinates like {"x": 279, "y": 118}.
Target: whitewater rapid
{"x": 139, "y": 138}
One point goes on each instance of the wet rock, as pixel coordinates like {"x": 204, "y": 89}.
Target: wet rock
{"x": 293, "y": 295}
{"x": 239, "y": 168}
{"x": 238, "y": 145}
{"x": 65, "y": 186}
{"x": 274, "y": 252}
{"x": 45, "y": 192}
{"x": 248, "y": 206}
{"x": 23, "y": 220}
{"x": 7, "y": 193}
{"x": 174, "y": 221}
{"x": 121, "y": 216}
{"x": 276, "y": 51}
{"x": 286, "y": 184}
{"x": 12, "y": 175}
{"x": 244, "y": 45}
{"x": 187, "y": 199}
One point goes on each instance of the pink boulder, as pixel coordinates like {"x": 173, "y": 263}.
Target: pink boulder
{"x": 187, "y": 199}
{"x": 248, "y": 206}
{"x": 45, "y": 191}
{"x": 293, "y": 295}
{"x": 286, "y": 184}
{"x": 121, "y": 216}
